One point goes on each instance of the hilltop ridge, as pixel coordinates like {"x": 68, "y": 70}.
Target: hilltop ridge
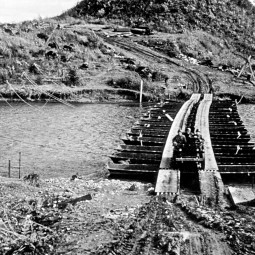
{"x": 233, "y": 20}
{"x": 90, "y": 54}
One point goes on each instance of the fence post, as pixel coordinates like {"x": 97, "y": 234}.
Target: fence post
{"x": 141, "y": 92}
{"x": 9, "y": 169}
{"x": 19, "y": 164}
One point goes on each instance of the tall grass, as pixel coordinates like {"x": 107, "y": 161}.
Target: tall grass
{"x": 21, "y": 51}
{"x": 201, "y": 45}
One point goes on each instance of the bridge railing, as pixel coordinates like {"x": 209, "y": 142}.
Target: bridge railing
{"x": 179, "y": 122}
{"x": 168, "y": 179}
{"x": 211, "y": 184}
{"x": 202, "y": 123}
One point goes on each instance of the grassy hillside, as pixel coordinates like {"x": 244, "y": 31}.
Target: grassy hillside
{"x": 61, "y": 53}
{"x": 233, "y": 20}
{"x": 44, "y": 50}
{"x": 74, "y": 55}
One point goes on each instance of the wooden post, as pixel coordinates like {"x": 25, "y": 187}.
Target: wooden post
{"x": 9, "y": 169}
{"x": 19, "y": 164}
{"x": 251, "y": 70}
{"x": 247, "y": 65}
{"x": 242, "y": 69}
{"x": 141, "y": 92}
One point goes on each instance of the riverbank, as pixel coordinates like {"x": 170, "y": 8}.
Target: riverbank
{"x": 87, "y": 62}
{"x": 231, "y": 88}
{"x": 94, "y": 215}
{"x": 58, "y": 93}
{"x": 60, "y": 215}
{"x": 63, "y": 94}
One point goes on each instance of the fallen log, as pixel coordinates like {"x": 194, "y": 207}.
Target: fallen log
{"x": 74, "y": 201}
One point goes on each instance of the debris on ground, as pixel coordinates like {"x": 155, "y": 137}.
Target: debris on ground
{"x": 241, "y": 195}
{"x": 102, "y": 216}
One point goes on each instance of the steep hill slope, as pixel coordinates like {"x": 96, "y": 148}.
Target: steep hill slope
{"x": 38, "y": 57}
{"x": 234, "y": 20}
{"x": 85, "y": 55}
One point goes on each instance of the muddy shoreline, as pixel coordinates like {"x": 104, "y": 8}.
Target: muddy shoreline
{"x": 77, "y": 95}
{"x": 95, "y": 215}
{"x": 109, "y": 95}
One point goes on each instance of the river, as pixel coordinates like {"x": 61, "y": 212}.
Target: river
{"x": 57, "y": 140}
{"x": 247, "y": 113}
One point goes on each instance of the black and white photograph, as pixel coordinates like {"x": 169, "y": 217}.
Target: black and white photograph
{"x": 127, "y": 127}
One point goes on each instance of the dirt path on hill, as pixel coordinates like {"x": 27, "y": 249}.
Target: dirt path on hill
{"x": 201, "y": 82}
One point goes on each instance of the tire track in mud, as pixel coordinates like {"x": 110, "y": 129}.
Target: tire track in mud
{"x": 160, "y": 227}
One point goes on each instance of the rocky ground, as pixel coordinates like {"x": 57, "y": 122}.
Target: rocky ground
{"x": 94, "y": 215}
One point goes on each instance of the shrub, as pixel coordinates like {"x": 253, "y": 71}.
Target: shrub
{"x": 33, "y": 69}
{"x": 72, "y": 78}
{"x": 83, "y": 40}
{"x": 39, "y": 80}
{"x": 125, "y": 83}
{"x": 93, "y": 40}
{"x": 3, "y": 76}
{"x": 4, "y": 51}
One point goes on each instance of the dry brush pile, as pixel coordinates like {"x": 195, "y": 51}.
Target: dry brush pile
{"x": 31, "y": 217}
{"x": 27, "y": 227}
{"x": 61, "y": 215}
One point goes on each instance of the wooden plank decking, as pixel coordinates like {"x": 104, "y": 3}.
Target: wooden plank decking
{"x": 168, "y": 180}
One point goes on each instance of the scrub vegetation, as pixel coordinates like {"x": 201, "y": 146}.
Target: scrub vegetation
{"x": 75, "y": 50}
{"x": 90, "y": 54}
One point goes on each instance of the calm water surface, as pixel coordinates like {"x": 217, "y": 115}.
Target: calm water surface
{"x": 247, "y": 113}
{"x": 56, "y": 140}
